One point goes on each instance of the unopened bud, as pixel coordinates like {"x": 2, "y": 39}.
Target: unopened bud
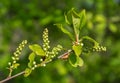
{"x": 9, "y": 63}
{"x": 44, "y": 65}
{"x": 41, "y": 59}
{"x": 34, "y": 62}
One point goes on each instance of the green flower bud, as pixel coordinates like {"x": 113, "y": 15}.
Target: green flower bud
{"x": 14, "y": 61}
{"x": 35, "y": 66}
{"x": 13, "y": 58}
{"x": 17, "y": 58}
{"x": 41, "y": 60}
{"x": 9, "y": 63}
{"x": 44, "y": 65}
{"x": 34, "y": 62}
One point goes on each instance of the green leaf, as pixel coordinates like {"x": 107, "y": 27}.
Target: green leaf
{"x": 75, "y": 21}
{"x": 76, "y": 24}
{"x": 64, "y": 30}
{"x": 31, "y": 59}
{"x": 77, "y": 49}
{"x": 75, "y": 60}
{"x": 95, "y": 43}
{"x": 72, "y": 58}
{"x": 37, "y": 49}
{"x": 27, "y": 72}
{"x": 82, "y": 18}
{"x": 113, "y": 27}
{"x": 68, "y": 17}
{"x": 80, "y": 61}
{"x": 89, "y": 44}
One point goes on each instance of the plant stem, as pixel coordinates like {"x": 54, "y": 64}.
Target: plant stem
{"x": 77, "y": 38}
{"x": 2, "y": 81}
{"x": 10, "y": 72}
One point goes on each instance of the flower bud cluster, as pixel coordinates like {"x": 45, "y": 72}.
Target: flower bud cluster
{"x": 99, "y": 48}
{"x": 55, "y": 50}
{"x": 45, "y": 40}
{"x": 52, "y": 54}
{"x": 17, "y": 53}
{"x": 49, "y": 55}
{"x": 34, "y": 65}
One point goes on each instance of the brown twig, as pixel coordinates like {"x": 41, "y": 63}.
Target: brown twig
{"x": 2, "y": 81}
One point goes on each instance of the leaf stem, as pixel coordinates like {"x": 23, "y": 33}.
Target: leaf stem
{"x": 77, "y": 38}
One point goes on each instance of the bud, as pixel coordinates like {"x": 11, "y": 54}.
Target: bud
{"x": 44, "y": 65}
{"x": 13, "y": 58}
{"x": 17, "y": 58}
{"x": 24, "y": 42}
{"x": 9, "y": 63}
{"x": 34, "y": 62}
{"x": 81, "y": 44}
{"x": 41, "y": 59}
{"x": 35, "y": 66}
{"x": 14, "y": 61}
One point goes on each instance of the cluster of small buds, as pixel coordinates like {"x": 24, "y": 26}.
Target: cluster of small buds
{"x": 99, "y": 48}
{"x": 45, "y": 40}
{"x": 41, "y": 60}
{"x": 56, "y": 50}
{"x": 17, "y": 53}
{"x": 78, "y": 43}
{"x": 50, "y": 55}
{"x": 34, "y": 65}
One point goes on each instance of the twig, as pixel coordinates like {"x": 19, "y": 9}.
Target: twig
{"x": 12, "y": 77}
{"x": 60, "y": 57}
{"x": 65, "y": 55}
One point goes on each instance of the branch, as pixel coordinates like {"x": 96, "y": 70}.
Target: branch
{"x": 63, "y": 56}
{"x": 12, "y": 77}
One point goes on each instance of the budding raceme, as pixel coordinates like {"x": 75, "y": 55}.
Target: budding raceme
{"x": 45, "y": 40}
{"x": 55, "y": 50}
{"x": 16, "y": 54}
{"x": 99, "y": 48}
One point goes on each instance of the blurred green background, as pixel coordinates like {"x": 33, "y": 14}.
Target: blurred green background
{"x": 26, "y": 19}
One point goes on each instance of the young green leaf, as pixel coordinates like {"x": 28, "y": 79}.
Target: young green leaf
{"x": 94, "y": 43}
{"x": 31, "y": 59}
{"x": 82, "y": 18}
{"x": 27, "y": 72}
{"x": 75, "y": 21}
{"x": 72, "y": 58}
{"x": 80, "y": 61}
{"x": 77, "y": 49}
{"x": 64, "y": 30}
{"x": 91, "y": 45}
{"x": 37, "y": 49}
{"x": 75, "y": 60}
{"x": 76, "y": 24}
{"x": 68, "y": 17}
